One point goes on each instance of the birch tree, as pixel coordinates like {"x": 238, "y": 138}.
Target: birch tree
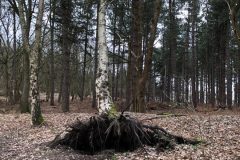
{"x": 34, "y": 93}
{"x": 104, "y": 100}
{"x": 234, "y": 7}
{"x": 24, "y": 11}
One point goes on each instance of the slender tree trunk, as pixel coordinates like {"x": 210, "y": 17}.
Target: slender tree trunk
{"x": 128, "y": 91}
{"x": 136, "y": 58}
{"x": 7, "y": 89}
{"x": 236, "y": 89}
{"x": 129, "y": 78}
{"x": 212, "y": 82}
{"x": 24, "y": 104}
{"x": 52, "y": 70}
{"x": 141, "y": 83}
{"x": 60, "y": 88}
{"x": 104, "y": 100}
{"x": 197, "y": 68}
{"x": 187, "y": 61}
{"x": 229, "y": 81}
{"x": 234, "y": 7}
{"x": 238, "y": 79}
{"x": 113, "y": 58}
{"x": 34, "y": 92}
{"x": 208, "y": 60}
{"x": 14, "y": 72}
{"x": 172, "y": 48}
{"x": 25, "y": 28}
{"x": 222, "y": 51}
{"x": 193, "y": 76}
{"x": 116, "y": 83}
{"x": 122, "y": 73}
{"x": 84, "y": 59}
{"x": 117, "y": 74}
{"x": 34, "y": 55}
{"x": 66, "y": 46}
{"x": 202, "y": 87}
{"x": 94, "y": 103}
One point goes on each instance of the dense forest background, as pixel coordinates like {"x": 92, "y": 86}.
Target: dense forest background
{"x": 83, "y": 68}
{"x": 194, "y": 62}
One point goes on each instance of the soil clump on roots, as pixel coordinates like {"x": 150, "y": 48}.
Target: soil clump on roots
{"x": 122, "y": 133}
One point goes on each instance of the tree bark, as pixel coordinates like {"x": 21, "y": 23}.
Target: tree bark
{"x": 229, "y": 81}
{"x": 25, "y": 21}
{"x": 52, "y": 70}
{"x": 172, "y": 49}
{"x": 104, "y": 100}
{"x": 66, "y": 46}
{"x": 136, "y": 55}
{"x": 37, "y": 118}
{"x": 113, "y": 58}
{"x": 94, "y": 103}
{"x": 193, "y": 74}
{"x": 234, "y": 7}
{"x": 14, "y": 74}
{"x": 139, "y": 100}
{"x": 85, "y": 57}
{"x": 222, "y": 51}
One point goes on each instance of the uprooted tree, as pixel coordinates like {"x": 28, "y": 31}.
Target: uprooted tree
{"x": 111, "y": 130}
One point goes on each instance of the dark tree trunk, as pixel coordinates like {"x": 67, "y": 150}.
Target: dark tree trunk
{"x": 212, "y": 84}
{"x": 52, "y": 71}
{"x": 94, "y": 103}
{"x": 229, "y": 82}
{"x": 193, "y": 74}
{"x": 14, "y": 72}
{"x": 60, "y": 87}
{"x": 24, "y": 104}
{"x": 113, "y": 58}
{"x": 118, "y": 74}
{"x": 202, "y": 86}
{"x": 84, "y": 59}
{"x": 172, "y": 49}
{"x": 186, "y": 62}
{"x": 122, "y": 74}
{"x": 236, "y": 89}
{"x": 136, "y": 53}
{"x": 128, "y": 94}
{"x": 139, "y": 101}
{"x": 223, "y": 32}
{"x": 66, "y": 46}
{"x": 7, "y": 89}
{"x": 238, "y": 79}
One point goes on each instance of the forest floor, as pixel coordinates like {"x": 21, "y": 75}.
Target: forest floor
{"x": 220, "y": 131}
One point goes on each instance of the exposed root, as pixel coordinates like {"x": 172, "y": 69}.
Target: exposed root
{"x": 121, "y": 134}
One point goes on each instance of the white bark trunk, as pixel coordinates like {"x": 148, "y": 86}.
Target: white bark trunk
{"x": 104, "y": 100}
{"x": 34, "y": 93}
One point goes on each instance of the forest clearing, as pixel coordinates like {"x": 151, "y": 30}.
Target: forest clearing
{"x": 218, "y": 129}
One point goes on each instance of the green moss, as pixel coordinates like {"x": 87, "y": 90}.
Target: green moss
{"x": 114, "y": 157}
{"x": 112, "y": 112}
{"x": 200, "y": 140}
{"x": 38, "y": 121}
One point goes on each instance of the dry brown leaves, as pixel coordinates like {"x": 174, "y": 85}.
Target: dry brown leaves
{"x": 19, "y": 140}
